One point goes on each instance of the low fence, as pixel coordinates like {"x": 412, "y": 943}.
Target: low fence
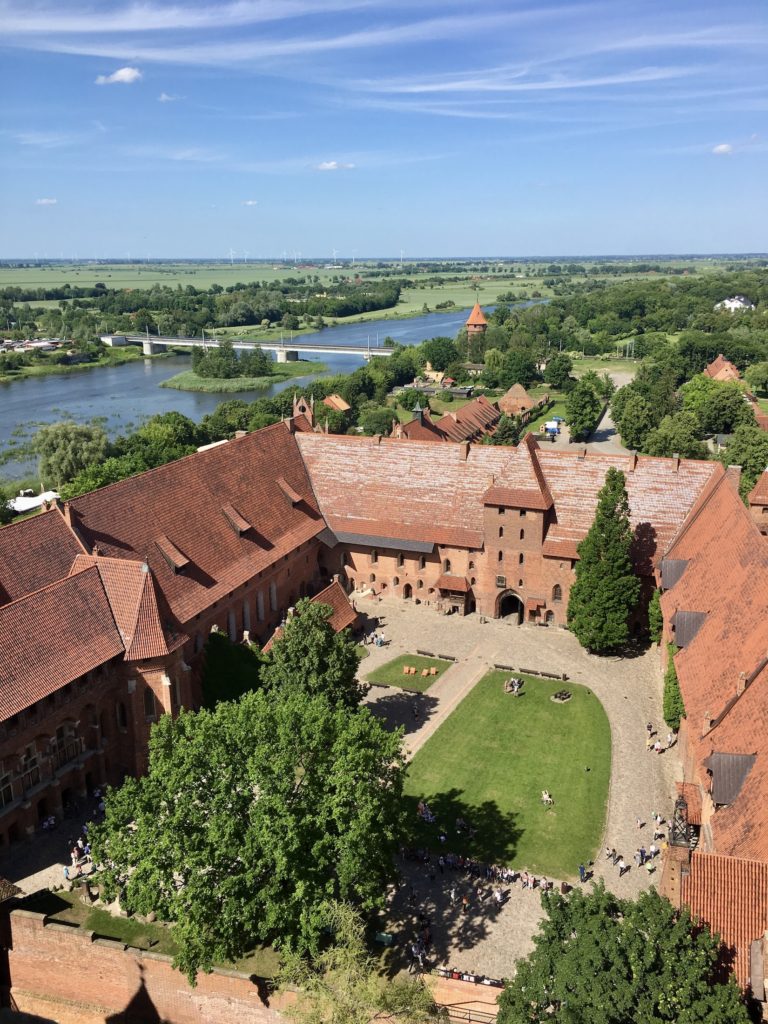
{"x": 559, "y": 676}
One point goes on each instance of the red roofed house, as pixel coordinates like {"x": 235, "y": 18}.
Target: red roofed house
{"x": 722, "y": 369}
{"x": 517, "y": 402}
{"x": 758, "y": 503}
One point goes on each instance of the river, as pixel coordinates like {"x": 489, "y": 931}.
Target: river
{"x": 127, "y": 394}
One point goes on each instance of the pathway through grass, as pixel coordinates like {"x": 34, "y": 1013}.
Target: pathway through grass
{"x": 489, "y": 762}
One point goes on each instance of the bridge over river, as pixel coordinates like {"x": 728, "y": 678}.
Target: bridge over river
{"x": 285, "y": 351}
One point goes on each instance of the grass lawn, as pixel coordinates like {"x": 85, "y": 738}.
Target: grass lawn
{"x": 489, "y": 762}
{"x": 188, "y": 380}
{"x": 391, "y": 674}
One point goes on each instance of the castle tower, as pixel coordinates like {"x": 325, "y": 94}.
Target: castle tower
{"x": 301, "y": 407}
{"x": 476, "y": 322}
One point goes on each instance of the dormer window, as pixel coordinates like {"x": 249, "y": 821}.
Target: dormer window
{"x": 175, "y": 559}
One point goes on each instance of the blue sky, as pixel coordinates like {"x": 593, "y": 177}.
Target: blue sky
{"x": 436, "y": 127}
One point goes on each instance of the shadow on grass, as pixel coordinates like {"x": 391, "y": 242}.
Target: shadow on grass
{"x": 492, "y": 835}
{"x": 405, "y": 708}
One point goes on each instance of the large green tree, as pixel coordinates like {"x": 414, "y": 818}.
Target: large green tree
{"x": 719, "y": 406}
{"x": 602, "y": 960}
{"x": 637, "y": 420}
{"x": 65, "y": 449}
{"x": 606, "y": 589}
{"x": 250, "y": 818}
{"x": 310, "y": 655}
{"x": 345, "y": 985}
{"x": 582, "y": 409}
{"x": 676, "y": 435}
{"x": 558, "y": 371}
{"x": 747, "y": 448}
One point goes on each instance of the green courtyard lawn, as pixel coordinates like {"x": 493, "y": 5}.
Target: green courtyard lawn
{"x": 490, "y": 760}
{"x": 391, "y": 674}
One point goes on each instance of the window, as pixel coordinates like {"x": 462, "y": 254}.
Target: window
{"x": 550, "y": 618}
{"x": 122, "y": 717}
{"x": 420, "y": 584}
{"x": 374, "y": 556}
{"x": 520, "y": 583}
{"x": 246, "y": 614}
{"x": 232, "y": 626}
{"x": 198, "y": 642}
{"x": 557, "y": 592}
{"x": 273, "y": 596}
{"x": 501, "y": 531}
{"x": 260, "y": 606}
{"x": 372, "y": 578}
{"x": 446, "y": 565}
{"x": 400, "y": 560}
{"x": 149, "y": 704}
{"x": 472, "y": 581}
{"x": 502, "y": 511}
{"x": 520, "y": 558}
{"x": 6, "y": 790}
{"x": 422, "y": 561}
{"x": 395, "y": 581}
{"x": 523, "y": 513}
{"x": 471, "y": 565}
{"x": 501, "y": 556}
{"x": 522, "y": 535}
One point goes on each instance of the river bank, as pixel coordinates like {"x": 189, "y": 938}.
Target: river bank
{"x": 114, "y": 357}
{"x": 188, "y": 380}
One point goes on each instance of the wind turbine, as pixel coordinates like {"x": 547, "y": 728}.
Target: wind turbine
{"x": 231, "y": 256}
{"x": 402, "y": 251}
{"x": 245, "y": 256}
{"x": 333, "y": 255}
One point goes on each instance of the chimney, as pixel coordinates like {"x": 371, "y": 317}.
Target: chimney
{"x": 377, "y": 438}
{"x": 706, "y": 725}
{"x": 288, "y": 421}
{"x": 464, "y": 450}
{"x": 240, "y": 433}
{"x": 675, "y": 462}
{"x": 582, "y": 454}
{"x": 632, "y": 461}
{"x": 741, "y": 683}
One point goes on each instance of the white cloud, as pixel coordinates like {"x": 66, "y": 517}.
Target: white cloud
{"x": 123, "y": 76}
{"x": 46, "y": 202}
{"x": 333, "y": 165}
{"x": 250, "y": 202}
{"x": 166, "y": 97}
{"x": 723, "y": 149}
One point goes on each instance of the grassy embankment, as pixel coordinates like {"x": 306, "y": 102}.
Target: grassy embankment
{"x": 188, "y": 380}
{"x": 114, "y": 357}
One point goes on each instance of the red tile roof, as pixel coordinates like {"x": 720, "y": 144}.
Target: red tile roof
{"x": 476, "y": 318}
{"x": 515, "y": 401}
{"x": 52, "y": 637}
{"x": 425, "y": 430}
{"x": 759, "y": 493}
{"x": 731, "y": 895}
{"x": 183, "y": 501}
{"x": 453, "y": 584}
{"x": 132, "y": 597}
{"x": 343, "y": 615}
{"x": 34, "y": 553}
{"x": 336, "y": 402}
{"x": 522, "y": 483}
{"x": 422, "y": 491}
{"x": 470, "y": 421}
{"x": 722, "y": 369}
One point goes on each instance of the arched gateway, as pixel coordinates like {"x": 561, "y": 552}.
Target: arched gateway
{"x": 509, "y": 605}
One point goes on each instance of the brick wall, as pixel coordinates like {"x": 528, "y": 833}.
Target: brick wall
{"x": 64, "y": 974}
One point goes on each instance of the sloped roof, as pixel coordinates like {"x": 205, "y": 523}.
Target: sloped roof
{"x": 423, "y": 491}
{"x": 183, "y": 501}
{"x": 34, "y": 553}
{"x": 343, "y": 615}
{"x": 52, "y": 637}
{"x": 131, "y": 594}
{"x": 661, "y": 494}
{"x": 453, "y": 584}
{"x": 722, "y": 369}
{"x": 336, "y": 402}
{"x": 759, "y": 493}
{"x": 729, "y": 772}
{"x": 731, "y": 895}
{"x": 425, "y": 430}
{"x": 521, "y": 484}
{"x": 515, "y": 400}
{"x": 476, "y": 318}
{"x": 472, "y": 420}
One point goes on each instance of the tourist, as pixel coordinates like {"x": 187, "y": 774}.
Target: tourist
{"x": 652, "y": 850}
{"x": 441, "y": 860}
{"x": 639, "y": 822}
{"x": 657, "y": 746}
{"x": 453, "y": 895}
{"x": 622, "y": 866}
{"x": 643, "y": 856}
{"x": 582, "y": 873}
{"x": 670, "y": 739}
{"x": 649, "y": 728}
{"x": 498, "y": 895}
{"x": 465, "y": 903}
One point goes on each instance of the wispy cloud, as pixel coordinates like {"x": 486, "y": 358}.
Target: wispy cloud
{"x": 250, "y": 202}
{"x": 123, "y": 76}
{"x": 722, "y": 149}
{"x": 47, "y": 140}
{"x": 166, "y": 97}
{"x": 333, "y": 165}
{"x": 46, "y": 202}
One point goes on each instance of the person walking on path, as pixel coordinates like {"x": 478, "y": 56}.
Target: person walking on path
{"x": 465, "y": 903}
{"x": 582, "y": 873}
{"x": 622, "y": 866}
{"x": 453, "y": 894}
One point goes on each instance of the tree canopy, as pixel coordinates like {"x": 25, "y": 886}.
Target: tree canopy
{"x": 65, "y": 449}
{"x": 602, "y": 960}
{"x": 606, "y": 589}
{"x": 719, "y": 406}
{"x": 582, "y": 409}
{"x": 310, "y": 655}
{"x": 250, "y": 818}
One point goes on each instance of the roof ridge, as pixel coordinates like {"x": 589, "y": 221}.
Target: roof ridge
{"x": 48, "y": 586}
{"x": 701, "y": 503}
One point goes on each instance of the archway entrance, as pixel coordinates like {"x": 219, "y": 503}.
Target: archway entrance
{"x": 407, "y": 591}
{"x": 509, "y": 605}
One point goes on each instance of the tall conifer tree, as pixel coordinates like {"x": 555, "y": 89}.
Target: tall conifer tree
{"x": 606, "y": 588}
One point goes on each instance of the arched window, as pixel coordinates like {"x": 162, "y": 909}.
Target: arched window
{"x": 400, "y": 560}
{"x": 557, "y": 592}
{"x": 472, "y": 581}
{"x": 522, "y": 535}
{"x": 122, "y": 717}
{"x": 501, "y": 556}
{"x": 372, "y": 578}
{"x": 374, "y": 556}
{"x": 395, "y": 581}
{"x": 420, "y": 584}
{"x": 446, "y": 565}
{"x": 149, "y": 703}
{"x": 550, "y": 617}
{"x": 471, "y": 565}
{"x": 501, "y": 531}
{"x": 521, "y": 558}
{"x": 422, "y": 562}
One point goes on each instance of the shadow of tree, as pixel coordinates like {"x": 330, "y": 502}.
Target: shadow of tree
{"x": 494, "y": 834}
{"x": 402, "y": 708}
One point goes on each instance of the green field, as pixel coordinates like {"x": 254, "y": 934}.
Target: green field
{"x": 391, "y": 674}
{"x": 188, "y": 380}
{"x": 489, "y": 762}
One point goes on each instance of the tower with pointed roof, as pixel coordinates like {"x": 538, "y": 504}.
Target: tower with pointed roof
{"x": 476, "y": 322}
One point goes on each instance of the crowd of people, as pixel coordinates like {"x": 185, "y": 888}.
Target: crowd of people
{"x": 80, "y": 849}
